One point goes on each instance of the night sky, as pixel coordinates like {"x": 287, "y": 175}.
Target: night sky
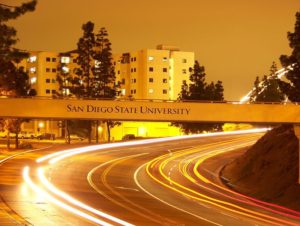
{"x": 236, "y": 40}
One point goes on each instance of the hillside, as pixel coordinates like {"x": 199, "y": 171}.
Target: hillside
{"x": 269, "y": 169}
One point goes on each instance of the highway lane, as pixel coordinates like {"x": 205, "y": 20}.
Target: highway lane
{"x": 159, "y": 183}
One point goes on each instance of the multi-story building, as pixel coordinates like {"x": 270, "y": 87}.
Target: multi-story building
{"x": 145, "y": 74}
{"x": 153, "y": 73}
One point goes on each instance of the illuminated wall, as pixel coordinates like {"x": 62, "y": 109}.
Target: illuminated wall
{"x": 144, "y": 129}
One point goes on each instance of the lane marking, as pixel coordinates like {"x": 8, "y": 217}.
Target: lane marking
{"x": 166, "y": 203}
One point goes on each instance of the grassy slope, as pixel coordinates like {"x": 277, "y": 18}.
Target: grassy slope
{"x": 269, "y": 169}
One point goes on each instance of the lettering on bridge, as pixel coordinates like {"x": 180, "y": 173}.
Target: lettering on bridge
{"x": 127, "y": 110}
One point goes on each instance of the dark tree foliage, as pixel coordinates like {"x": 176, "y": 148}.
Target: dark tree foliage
{"x": 14, "y": 81}
{"x": 292, "y": 88}
{"x": 199, "y": 90}
{"x": 268, "y": 89}
{"x": 85, "y": 60}
{"x": 104, "y": 80}
{"x": 94, "y": 77}
{"x": 104, "y": 76}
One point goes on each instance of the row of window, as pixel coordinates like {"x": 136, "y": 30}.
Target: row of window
{"x": 151, "y": 91}
{"x": 48, "y": 80}
{"x": 164, "y": 80}
{"x": 64, "y": 60}
{"x": 151, "y": 69}
{"x": 133, "y": 59}
{"x": 165, "y": 59}
{"x": 51, "y": 70}
{"x": 48, "y": 91}
{"x": 151, "y": 80}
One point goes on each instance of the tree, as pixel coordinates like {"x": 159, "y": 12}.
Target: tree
{"x": 85, "y": 60}
{"x": 94, "y": 77}
{"x": 292, "y": 88}
{"x": 104, "y": 80}
{"x": 268, "y": 89}
{"x": 199, "y": 90}
{"x": 14, "y": 81}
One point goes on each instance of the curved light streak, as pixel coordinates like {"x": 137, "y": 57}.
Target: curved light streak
{"x": 186, "y": 192}
{"x": 55, "y": 157}
{"x": 75, "y": 202}
{"x": 50, "y": 198}
{"x": 206, "y": 180}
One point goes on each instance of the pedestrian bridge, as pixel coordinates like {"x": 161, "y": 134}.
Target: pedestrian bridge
{"x": 148, "y": 110}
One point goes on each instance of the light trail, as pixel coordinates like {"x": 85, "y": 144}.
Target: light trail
{"x": 279, "y": 74}
{"x": 58, "y": 156}
{"x": 179, "y": 188}
{"x": 206, "y": 180}
{"x": 75, "y": 202}
{"x": 50, "y": 198}
{"x": 148, "y": 214}
{"x": 55, "y": 157}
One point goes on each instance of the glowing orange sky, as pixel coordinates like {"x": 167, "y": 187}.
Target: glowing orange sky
{"x": 235, "y": 40}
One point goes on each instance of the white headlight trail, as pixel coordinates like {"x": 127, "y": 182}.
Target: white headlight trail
{"x": 50, "y": 198}
{"x": 70, "y": 199}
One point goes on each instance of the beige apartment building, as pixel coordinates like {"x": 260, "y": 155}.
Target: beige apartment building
{"x": 153, "y": 73}
{"x": 144, "y": 74}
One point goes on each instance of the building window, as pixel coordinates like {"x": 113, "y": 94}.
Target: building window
{"x": 165, "y": 80}
{"x": 48, "y": 59}
{"x": 74, "y": 60}
{"x": 65, "y": 60}
{"x": 53, "y": 70}
{"x": 151, "y": 80}
{"x": 53, "y": 80}
{"x": 165, "y": 59}
{"x": 151, "y": 69}
{"x": 53, "y": 91}
{"x": 134, "y": 69}
{"x": 53, "y": 59}
{"x": 66, "y": 91}
{"x": 165, "y": 91}
{"x": 123, "y": 92}
{"x": 150, "y": 58}
{"x": 97, "y": 63}
{"x": 47, "y": 69}
{"x": 184, "y": 61}
{"x": 134, "y": 80}
{"x": 47, "y": 80}
{"x": 32, "y": 59}
{"x": 33, "y": 80}
{"x": 134, "y": 58}
{"x": 184, "y": 71}
{"x": 118, "y": 72}
{"x": 65, "y": 69}
{"x": 165, "y": 69}
{"x": 151, "y": 91}
{"x": 47, "y": 91}
{"x": 123, "y": 81}
{"x": 32, "y": 69}
{"x": 135, "y": 91}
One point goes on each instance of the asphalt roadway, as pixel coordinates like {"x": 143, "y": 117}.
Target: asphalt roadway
{"x": 151, "y": 182}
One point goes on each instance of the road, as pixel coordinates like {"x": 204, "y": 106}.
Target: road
{"x": 150, "y": 182}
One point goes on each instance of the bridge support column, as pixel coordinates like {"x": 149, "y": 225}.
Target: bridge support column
{"x": 297, "y": 133}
